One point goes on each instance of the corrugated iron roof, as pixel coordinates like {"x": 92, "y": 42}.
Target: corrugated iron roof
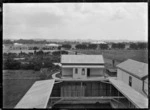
{"x": 86, "y": 59}
{"x": 138, "y": 69}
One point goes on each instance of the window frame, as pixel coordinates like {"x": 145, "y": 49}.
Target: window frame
{"x": 83, "y": 71}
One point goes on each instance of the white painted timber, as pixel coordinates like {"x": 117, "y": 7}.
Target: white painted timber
{"x": 38, "y": 95}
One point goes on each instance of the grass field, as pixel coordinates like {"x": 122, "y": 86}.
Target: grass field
{"x": 120, "y": 55}
{"x": 15, "y": 84}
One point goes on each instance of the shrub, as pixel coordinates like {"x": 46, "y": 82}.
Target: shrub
{"x": 81, "y": 46}
{"x": 11, "y": 64}
{"x": 92, "y": 46}
{"x": 67, "y": 46}
{"x": 103, "y": 46}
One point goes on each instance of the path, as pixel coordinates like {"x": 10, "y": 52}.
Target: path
{"x": 54, "y": 75}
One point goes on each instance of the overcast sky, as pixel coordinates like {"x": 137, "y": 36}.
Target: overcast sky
{"x": 99, "y": 21}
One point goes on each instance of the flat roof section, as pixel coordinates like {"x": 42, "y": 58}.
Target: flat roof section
{"x": 135, "y": 97}
{"x": 38, "y": 95}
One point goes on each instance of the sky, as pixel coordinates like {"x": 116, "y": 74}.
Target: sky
{"x": 97, "y": 21}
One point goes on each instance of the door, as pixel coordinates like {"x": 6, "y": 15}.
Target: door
{"x": 76, "y": 73}
{"x": 88, "y": 72}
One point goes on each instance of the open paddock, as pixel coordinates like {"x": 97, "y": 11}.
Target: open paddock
{"x": 120, "y": 55}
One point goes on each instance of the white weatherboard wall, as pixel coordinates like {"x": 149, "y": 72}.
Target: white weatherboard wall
{"x": 67, "y": 71}
{"x": 96, "y": 71}
{"x": 136, "y": 83}
{"x": 146, "y": 87}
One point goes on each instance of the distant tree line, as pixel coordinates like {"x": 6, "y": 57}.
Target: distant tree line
{"x": 66, "y": 46}
{"x": 118, "y": 46}
{"x": 23, "y": 41}
{"x": 137, "y": 45}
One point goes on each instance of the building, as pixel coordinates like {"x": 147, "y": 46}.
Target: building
{"x": 18, "y": 46}
{"x": 82, "y": 66}
{"x": 135, "y": 74}
{"x": 80, "y": 90}
{"x": 51, "y": 47}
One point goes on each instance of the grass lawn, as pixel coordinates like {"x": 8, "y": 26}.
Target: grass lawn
{"x": 15, "y": 84}
{"x": 120, "y": 55}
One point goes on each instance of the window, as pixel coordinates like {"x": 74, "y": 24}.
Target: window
{"x": 76, "y": 70}
{"x": 83, "y": 71}
{"x": 130, "y": 81}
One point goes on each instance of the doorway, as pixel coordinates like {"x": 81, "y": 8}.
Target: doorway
{"x": 88, "y": 72}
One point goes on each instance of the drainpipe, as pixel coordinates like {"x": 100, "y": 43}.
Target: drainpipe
{"x": 143, "y": 89}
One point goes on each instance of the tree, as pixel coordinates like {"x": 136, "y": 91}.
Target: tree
{"x": 92, "y": 46}
{"x": 103, "y": 46}
{"x": 133, "y": 46}
{"x": 11, "y": 64}
{"x": 35, "y": 48}
{"x": 142, "y": 45}
{"x": 67, "y": 46}
{"x": 40, "y": 52}
{"x": 59, "y": 47}
{"x": 81, "y": 46}
{"x": 118, "y": 45}
{"x": 7, "y": 42}
{"x": 58, "y": 53}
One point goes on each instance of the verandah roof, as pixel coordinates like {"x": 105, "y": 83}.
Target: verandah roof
{"x": 38, "y": 95}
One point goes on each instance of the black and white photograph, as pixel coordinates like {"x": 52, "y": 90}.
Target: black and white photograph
{"x": 69, "y": 56}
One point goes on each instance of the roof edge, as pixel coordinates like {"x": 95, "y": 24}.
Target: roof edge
{"x": 141, "y": 78}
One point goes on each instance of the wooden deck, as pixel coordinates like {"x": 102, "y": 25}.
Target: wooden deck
{"x": 37, "y": 96}
{"x": 135, "y": 97}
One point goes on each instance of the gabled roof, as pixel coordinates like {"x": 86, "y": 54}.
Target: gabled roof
{"x": 137, "y": 69}
{"x": 82, "y": 59}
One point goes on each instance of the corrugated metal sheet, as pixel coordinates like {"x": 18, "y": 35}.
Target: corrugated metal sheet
{"x": 94, "y": 59}
{"x": 37, "y": 96}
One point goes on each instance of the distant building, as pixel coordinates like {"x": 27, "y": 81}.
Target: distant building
{"x": 82, "y": 66}
{"x": 135, "y": 74}
{"x": 19, "y": 58}
{"x": 98, "y": 42}
{"x": 18, "y": 46}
